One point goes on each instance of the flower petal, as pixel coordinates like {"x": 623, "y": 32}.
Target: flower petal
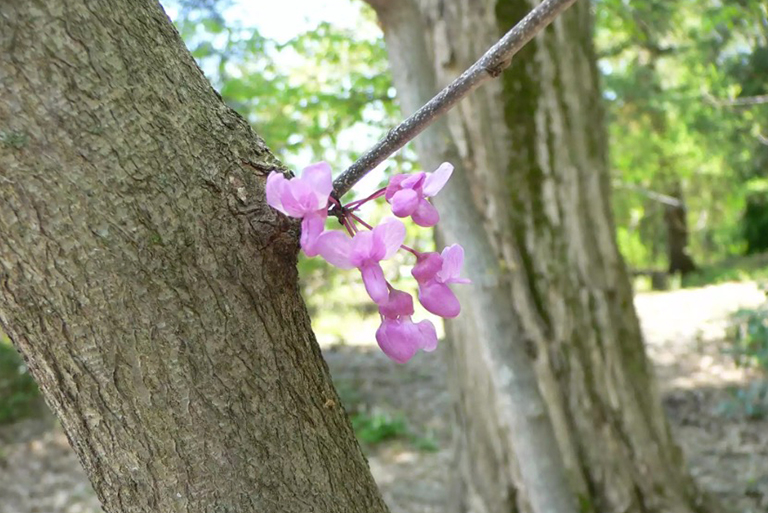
{"x": 318, "y": 177}
{"x": 395, "y": 340}
{"x": 364, "y": 249}
{"x": 439, "y": 299}
{"x": 275, "y": 189}
{"x": 453, "y": 259}
{"x": 391, "y": 233}
{"x": 311, "y": 227}
{"x": 297, "y": 198}
{"x": 374, "y": 281}
{"x": 394, "y": 185}
{"x": 426, "y": 214}
{"x": 398, "y": 303}
{"x": 413, "y": 180}
{"x": 335, "y": 247}
{"x": 428, "y": 339}
{"x": 427, "y": 266}
{"x": 437, "y": 180}
{"x": 404, "y": 202}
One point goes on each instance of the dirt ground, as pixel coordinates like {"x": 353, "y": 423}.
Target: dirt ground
{"x": 727, "y": 454}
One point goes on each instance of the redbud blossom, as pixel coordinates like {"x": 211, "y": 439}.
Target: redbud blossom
{"x": 434, "y": 272}
{"x": 365, "y": 250}
{"x": 398, "y": 336}
{"x": 408, "y": 194}
{"x": 305, "y": 198}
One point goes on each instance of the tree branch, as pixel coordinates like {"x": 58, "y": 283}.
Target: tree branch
{"x": 490, "y": 65}
{"x": 738, "y": 102}
{"x": 656, "y": 196}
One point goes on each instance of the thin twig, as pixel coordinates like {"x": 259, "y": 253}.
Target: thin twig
{"x": 738, "y": 102}
{"x": 490, "y": 65}
{"x": 656, "y": 196}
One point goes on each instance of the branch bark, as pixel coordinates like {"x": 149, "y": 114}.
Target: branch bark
{"x": 738, "y": 102}
{"x": 656, "y": 196}
{"x": 490, "y": 65}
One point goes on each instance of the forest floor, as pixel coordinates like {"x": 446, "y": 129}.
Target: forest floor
{"x": 410, "y": 409}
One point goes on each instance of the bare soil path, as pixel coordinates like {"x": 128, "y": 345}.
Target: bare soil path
{"x": 684, "y": 330}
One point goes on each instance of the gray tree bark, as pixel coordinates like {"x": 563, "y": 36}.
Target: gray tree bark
{"x": 150, "y": 288}
{"x": 531, "y": 156}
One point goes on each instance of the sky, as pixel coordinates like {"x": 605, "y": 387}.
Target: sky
{"x": 284, "y": 19}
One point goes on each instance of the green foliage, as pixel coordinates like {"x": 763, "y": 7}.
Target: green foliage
{"x": 752, "y": 267}
{"x": 377, "y": 427}
{"x": 670, "y": 69}
{"x": 750, "y": 402}
{"x": 19, "y": 396}
{"x": 305, "y": 96}
{"x": 748, "y": 335}
{"x": 374, "y": 426}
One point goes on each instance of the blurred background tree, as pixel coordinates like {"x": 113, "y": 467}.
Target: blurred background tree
{"x": 685, "y": 84}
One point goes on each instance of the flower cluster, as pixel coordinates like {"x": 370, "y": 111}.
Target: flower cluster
{"x": 308, "y": 198}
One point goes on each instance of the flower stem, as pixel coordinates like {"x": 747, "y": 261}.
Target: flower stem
{"x": 353, "y": 216}
{"x": 411, "y": 250}
{"x": 349, "y": 226}
{"x": 354, "y": 205}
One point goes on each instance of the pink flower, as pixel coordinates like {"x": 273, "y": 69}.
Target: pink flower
{"x": 398, "y": 336}
{"x": 365, "y": 250}
{"x": 434, "y": 272}
{"x": 408, "y": 194}
{"x": 305, "y": 198}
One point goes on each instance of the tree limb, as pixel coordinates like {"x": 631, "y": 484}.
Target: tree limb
{"x": 490, "y": 65}
{"x": 656, "y": 196}
{"x": 738, "y": 102}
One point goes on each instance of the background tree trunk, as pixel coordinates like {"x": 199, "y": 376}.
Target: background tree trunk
{"x": 676, "y": 220}
{"x": 150, "y": 288}
{"x": 532, "y": 151}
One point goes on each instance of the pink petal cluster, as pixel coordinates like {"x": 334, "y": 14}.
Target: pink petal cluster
{"x": 365, "y": 250}
{"x": 408, "y": 194}
{"x": 434, "y": 272}
{"x": 398, "y": 336}
{"x": 307, "y": 197}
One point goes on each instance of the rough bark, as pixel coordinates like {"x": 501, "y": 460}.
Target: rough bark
{"x": 150, "y": 288}
{"x": 532, "y": 156}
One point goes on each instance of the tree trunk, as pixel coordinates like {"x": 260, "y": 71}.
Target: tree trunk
{"x": 512, "y": 410}
{"x": 676, "y": 219}
{"x": 149, "y": 287}
{"x": 532, "y": 161}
